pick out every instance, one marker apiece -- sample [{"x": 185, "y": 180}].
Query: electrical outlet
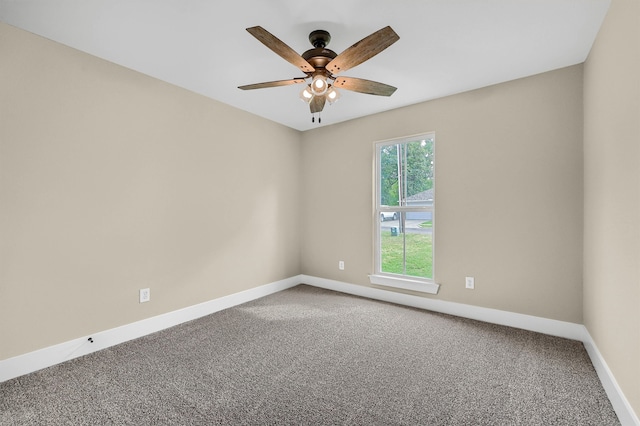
[
  {"x": 341, "y": 265},
  {"x": 469, "y": 283},
  {"x": 145, "y": 295}
]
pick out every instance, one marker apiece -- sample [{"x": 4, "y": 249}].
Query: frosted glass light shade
[
  {"x": 319, "y": 85},
  {"x": 306, "y": 94},
  {"x": 332, "y": 95}
]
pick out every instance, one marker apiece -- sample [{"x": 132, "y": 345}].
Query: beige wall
[
  {"x": 612, "y": 195},
  {"x": 508, "y": 185},
  {"x": 111, "y": 181}
]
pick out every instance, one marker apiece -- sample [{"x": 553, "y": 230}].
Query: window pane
[
  {"x": 418, "y": 171},
  {"x": 406, "y": 246},
  {"x": 389, "y": 175},
  {"x": 406, "y": 173},
  {"x": 419, "y": 248},
  {"x": 391, "y": 248}
]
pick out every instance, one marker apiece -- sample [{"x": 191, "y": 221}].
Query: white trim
[
  {"x": 36, "y": 360},
  {"x": 405, "y": 283},
  {"x": 404, "y": 139},
  {"x": 511, "y": 319},
  {"x": 52, "y": 355},
  {"x": 621, "y": 405},
  {"x": 378, "y": 208}
]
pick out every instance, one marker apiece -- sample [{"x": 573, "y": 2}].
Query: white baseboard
[
  {"x": 46, "y": 357},
  {"x": 527, "y": 322},
  {"x": 621, "y": 405},
  {"x": 567, "y": 330},
  {"x": 52, "y": 355}
]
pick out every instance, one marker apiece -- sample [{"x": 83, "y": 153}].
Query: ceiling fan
[{"x": 321, "y": 65}]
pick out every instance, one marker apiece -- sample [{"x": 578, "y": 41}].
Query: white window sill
[{"x": 405, "y": 283}]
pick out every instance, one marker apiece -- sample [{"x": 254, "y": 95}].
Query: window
[{"x": 405, "y": 213}]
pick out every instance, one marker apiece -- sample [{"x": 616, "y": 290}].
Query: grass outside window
[{"x": 419, "y": 254}]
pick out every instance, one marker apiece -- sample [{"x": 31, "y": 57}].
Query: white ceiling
[{"x": 445, "y": 46}]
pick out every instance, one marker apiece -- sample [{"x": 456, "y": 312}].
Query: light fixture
[
  {"x": 319, "y": 85},
  {"x": 332, "y": 95},
  {"x": 321, "y": 66},
  {"x": 306, "y": 94}
]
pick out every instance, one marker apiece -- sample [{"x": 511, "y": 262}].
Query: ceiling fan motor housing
[{"x": 319, "y": 57}]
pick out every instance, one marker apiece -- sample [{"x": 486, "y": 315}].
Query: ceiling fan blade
[
  {"x": 364, "y": 86},
  {"x": 272, "y": 84},
  {"x": 317, "y": 104},
  {"x": 280, "y": 48},
  {"x": 365, "y": 49}
]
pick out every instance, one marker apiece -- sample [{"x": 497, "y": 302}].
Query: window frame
[{"x": 403, "y": 281}]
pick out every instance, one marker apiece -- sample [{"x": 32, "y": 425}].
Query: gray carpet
[{"x": 312, "y": 356}]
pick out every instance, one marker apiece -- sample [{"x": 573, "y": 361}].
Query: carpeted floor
[{"x": 311, "y": 356}]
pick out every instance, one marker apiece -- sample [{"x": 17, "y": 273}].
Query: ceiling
[{"x": 445, "y": 46}]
